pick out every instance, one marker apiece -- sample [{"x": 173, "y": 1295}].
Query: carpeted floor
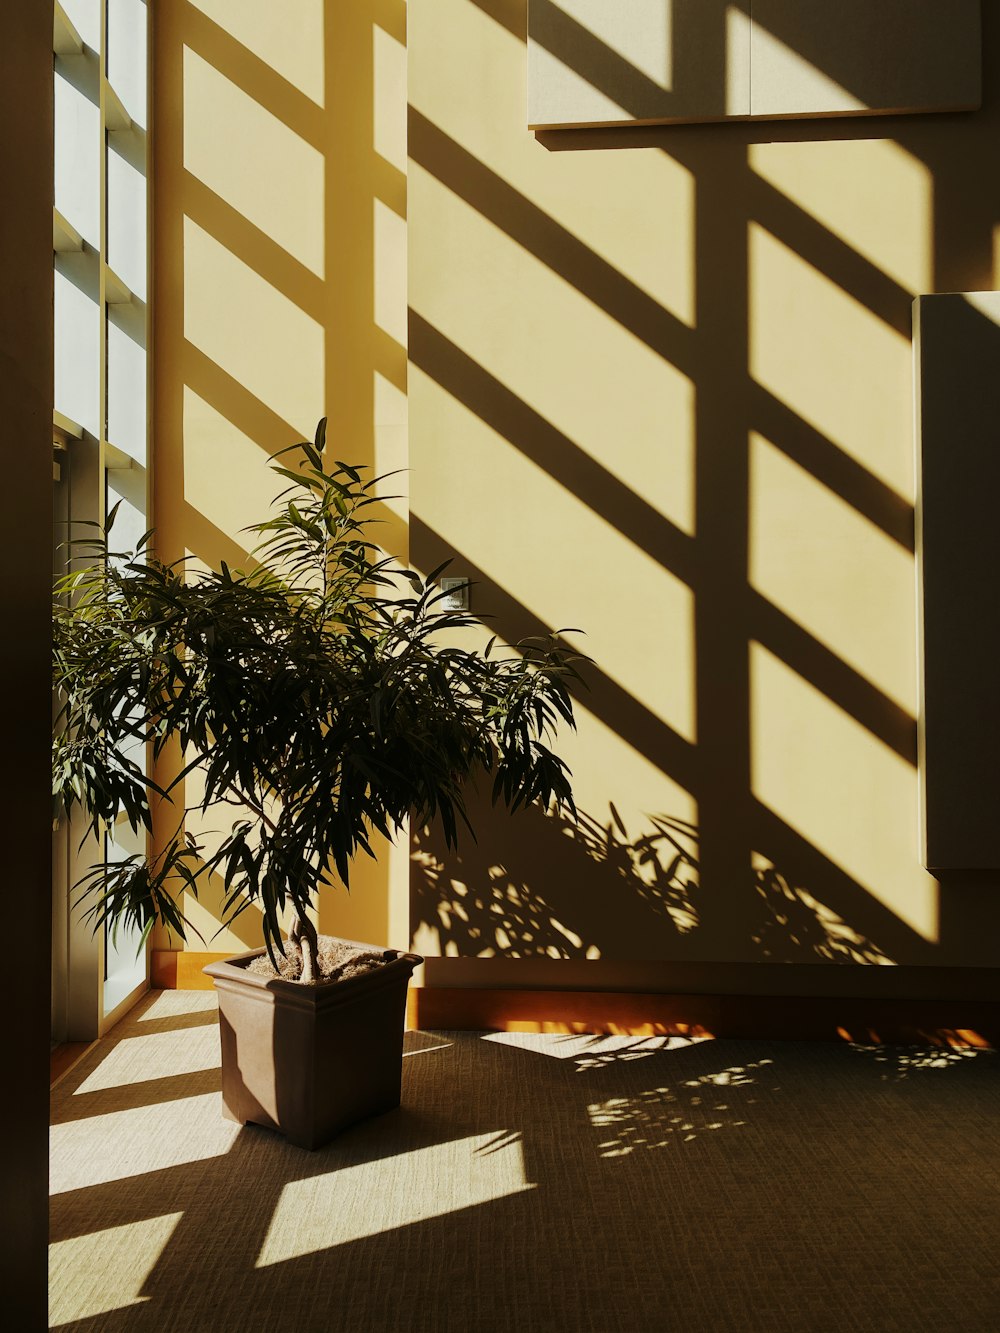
[{"x": 534, "y": 1183}]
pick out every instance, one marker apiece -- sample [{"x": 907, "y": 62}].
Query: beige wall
[
  {"x": 279, "y": 292},
  {"x": 661, "y": 389},
  {"x": 25, "y": 644}
]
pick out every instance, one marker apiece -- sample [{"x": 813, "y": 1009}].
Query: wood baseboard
[
  {"x": 181, "y": 969},
  {"x": 808, "y": 1018},
  {"x": 66, "y": 1056},
  {"x": 802, "y": 1018}
]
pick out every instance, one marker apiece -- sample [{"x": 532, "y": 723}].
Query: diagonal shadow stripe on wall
[
  {"x": 662, "y": 332},
  {"x": 583, "y": 476},
  {"x": 501, "y": 409},
  {"x": 531, "y": 227},
  {"x": 839, "y": 682},
  {"x": 805, "y": 864},
  {"x": 840, "y": 473},
  {"x": 648, "y": 734}
]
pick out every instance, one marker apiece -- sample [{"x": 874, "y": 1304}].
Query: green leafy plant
[{"x": 321, "y": 695}]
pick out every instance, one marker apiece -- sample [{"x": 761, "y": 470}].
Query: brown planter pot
[{"x": 310, "y": 1060}]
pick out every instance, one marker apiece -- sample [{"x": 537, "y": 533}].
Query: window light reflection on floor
[
  {"x": 901, "y": 1062},
  {"x": 342, "y": 1206},
  {"x": 590, "y": 1052},
  {"x": 171, "y": 1004},
  {"x": 106, "y": 1270},
  {"x": 153, "y": 1056},
  {"x": 131, "y": 1142},
  {"x": 663, "y": 1116}
]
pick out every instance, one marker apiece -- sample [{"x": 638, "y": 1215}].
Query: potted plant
[{"x": 322, "y": 694}]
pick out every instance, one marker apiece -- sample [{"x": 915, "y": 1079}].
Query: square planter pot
[{"x": 310, "y": 1060}]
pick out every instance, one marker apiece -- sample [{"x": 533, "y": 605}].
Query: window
[{"x": 100, "y": 240}]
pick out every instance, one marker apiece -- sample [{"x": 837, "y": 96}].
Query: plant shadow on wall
[{"x": 582, "y": 888}]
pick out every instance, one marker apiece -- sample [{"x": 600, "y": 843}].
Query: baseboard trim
[
  {"x": 940, "y": 1022},
  {"x": 806, "y": 1018},
  {"x": 65, "y": 1057},
  {"x": 181, "y": 969}
]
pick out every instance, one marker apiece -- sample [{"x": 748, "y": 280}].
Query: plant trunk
[{"x": 303, "y": 933}]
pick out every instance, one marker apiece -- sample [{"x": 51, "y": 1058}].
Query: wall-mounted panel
[
  {"x": 616, "y": 62},
  {"x": 619, "y": 62},
  {"x": 863, "y": 57},
  {"x": 957, "y": 351}
]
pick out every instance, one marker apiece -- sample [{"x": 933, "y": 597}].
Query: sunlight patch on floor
[
  {"x": 590, "y": 1052},
  {"x": 347, "y": 1205},
  {"x": 156, "y": 1055},
  {"x": 679, "y": 1114},
  {"x": 171, "y": 1003},
  {"x": 105, "y": 1270},
  {"x": 136, "y": 1140},
  {"x": 421, "y": 1043},
  {"x": 900, "y": 1062}
]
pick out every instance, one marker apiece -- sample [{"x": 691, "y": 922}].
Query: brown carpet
[{"x": 534, "y": 1183}]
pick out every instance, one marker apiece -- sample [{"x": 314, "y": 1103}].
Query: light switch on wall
[{"x": 456, "y": 592}]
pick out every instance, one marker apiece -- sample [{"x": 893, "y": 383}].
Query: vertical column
[
  {"x": 26, "y": 352},
  {"x": 957, "y": 351},
  {"x": 365, "y": 385},
  {"x": 722, "y": 626}
]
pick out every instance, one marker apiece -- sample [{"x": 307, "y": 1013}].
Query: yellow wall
[
  {"x": 661, "y": 389},
  {"x": 279, "y": 295}
]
